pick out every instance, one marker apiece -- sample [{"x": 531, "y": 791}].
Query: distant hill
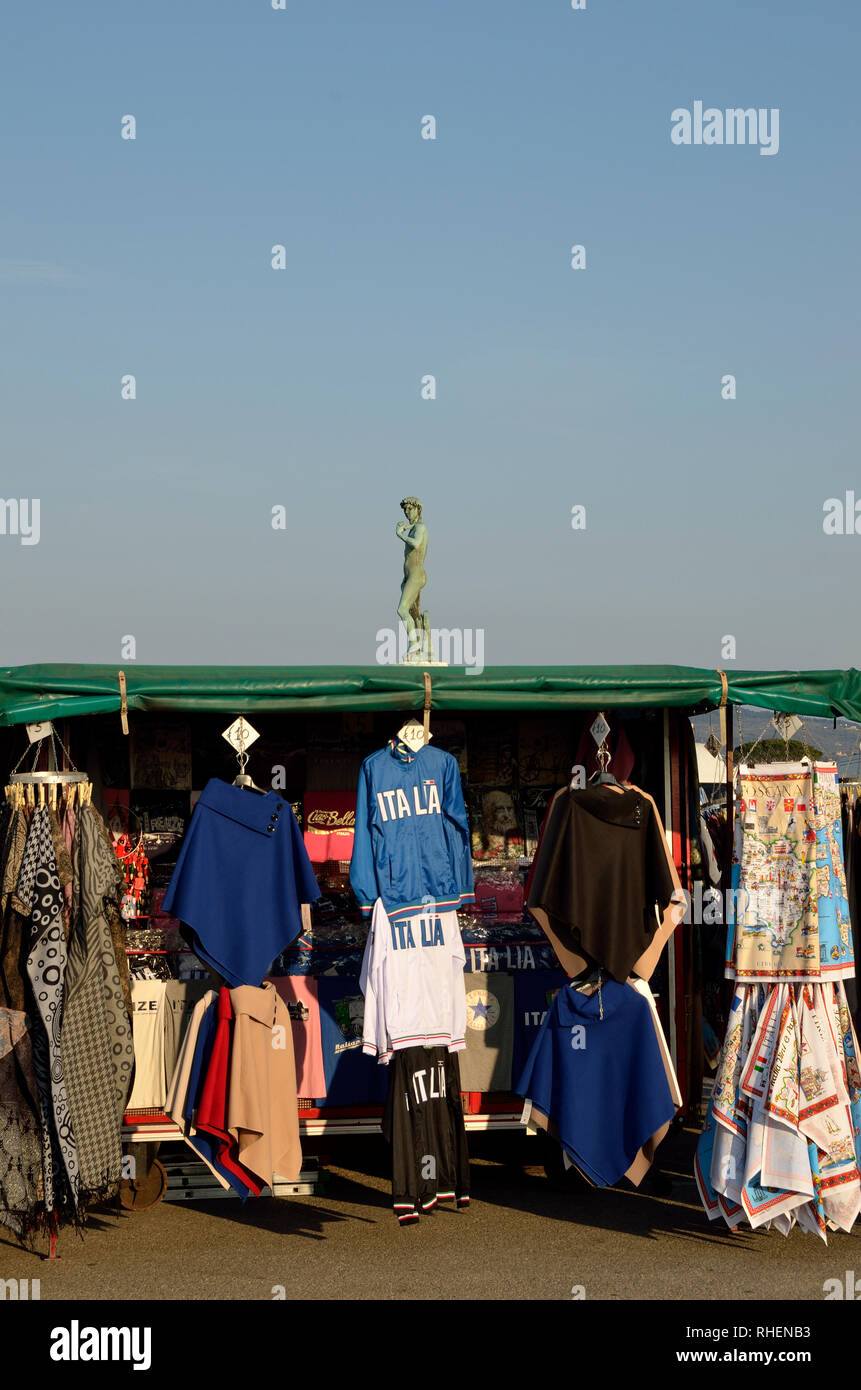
[{"x": 843, "y": 744}]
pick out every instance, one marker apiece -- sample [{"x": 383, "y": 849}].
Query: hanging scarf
[
  {"x": 21, "y": 1188},
  {"x": 776, "y": 931},
  {"x": 64, "y": 866},
  {"x": 97, "y": 1035},
  {"x": 14, "y": 991},
  {"x": 39, "y": 885},
  {"x": 20, "y": 1142},
  {"x": 836, "y": 956}
]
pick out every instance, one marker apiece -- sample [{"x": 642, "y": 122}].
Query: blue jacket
[{"x": 411, "y": 845}]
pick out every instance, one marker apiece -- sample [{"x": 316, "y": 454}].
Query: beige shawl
[{"x": 262, "y": 1110}]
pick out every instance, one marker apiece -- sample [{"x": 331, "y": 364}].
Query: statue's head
[{"x": 412, "y": 509}]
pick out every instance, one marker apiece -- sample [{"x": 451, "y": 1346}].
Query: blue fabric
[
  {"x": 533, "y": 990},
  {"x": 352, "y": 1078},
  {"x": 240, "y": 879},
  {"x": 703, "y": 1161},
  {"x": 411, "y": 846},
  {"x": 200, "y": 1060},
  {"x": 601, "y": 1081}
]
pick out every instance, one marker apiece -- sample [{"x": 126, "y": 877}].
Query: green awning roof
[{"x": 32, "y": 693}]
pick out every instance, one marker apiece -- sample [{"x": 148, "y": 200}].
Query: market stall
[{"x": 150, "y": 738}]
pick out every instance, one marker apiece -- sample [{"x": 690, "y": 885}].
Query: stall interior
[
  {"x": 511, "y": 765},
  {"x": 143, "y": 787}
]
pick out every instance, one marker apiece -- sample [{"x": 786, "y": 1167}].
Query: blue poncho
[{"x": 600, "y": 1081}]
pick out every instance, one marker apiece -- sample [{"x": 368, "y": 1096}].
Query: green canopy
[{"x": 32, "y": 693}]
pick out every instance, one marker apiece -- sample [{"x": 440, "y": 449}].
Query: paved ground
[{"x": 523, "y": 1237}]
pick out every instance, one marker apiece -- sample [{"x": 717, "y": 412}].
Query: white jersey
[{"x": 412, "y": 980}]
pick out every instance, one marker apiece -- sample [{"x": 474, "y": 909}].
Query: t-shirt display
[
  {"x": 300, "y": 996},
  {"x": 330, "y": 818},
  {"x": 352, "y": 1077},
  {"x": 148, "y": 1018},
  {"x": 490, "y": 1024},
  {"x": 533, "y": 995}
]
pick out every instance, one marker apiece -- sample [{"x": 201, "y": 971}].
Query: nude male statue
[{"x": 414, "y": 535}]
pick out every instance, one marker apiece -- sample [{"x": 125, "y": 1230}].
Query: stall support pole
[
  {"x": 730, "y": 774},
  {"x": 671, "y": 955}
]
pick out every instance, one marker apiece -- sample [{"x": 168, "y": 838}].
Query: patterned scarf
[
  {"x": 20, "y": 1142},
  {"x": 20, "y": 1145},
  {"x": 39, "y": 887},
  {"x": 14, "y": 990},
  {"x": 97, "y": 1036}
]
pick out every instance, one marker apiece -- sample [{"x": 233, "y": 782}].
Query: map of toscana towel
[
  {"x": 836, "y": 957},
  {"x": 775, "y": 935}
]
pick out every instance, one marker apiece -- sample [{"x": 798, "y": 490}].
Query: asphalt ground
[{"x": 525, "y": 1236}]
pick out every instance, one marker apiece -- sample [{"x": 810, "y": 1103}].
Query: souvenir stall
[
  {"x": 782, "y": 1142},
  {"x": 154, "y": 745}
]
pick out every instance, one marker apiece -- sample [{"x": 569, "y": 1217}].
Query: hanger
[
  {"x": 603, "y": 778},
  {"x": 590, "y": 982},
  {"x": 243, "y": 778},
  {"x": 43, "y": 788}
]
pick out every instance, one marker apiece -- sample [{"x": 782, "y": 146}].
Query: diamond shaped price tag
[
  {"x": 786, "y": 724},
  {"x": 241, "y": 734},
  {"x": 712, "y": 745},
  {"x": 600, "y": 729},
  {"x": 35, "y": 732}
]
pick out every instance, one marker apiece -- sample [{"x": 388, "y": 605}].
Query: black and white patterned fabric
[
  {"x": 21, "y": 1187},
  {"x": 39, "y": 886},
  {"x": 98, "y": 1048}
]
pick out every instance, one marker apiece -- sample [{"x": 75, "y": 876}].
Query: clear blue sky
[{"x": 405, "y": 257}]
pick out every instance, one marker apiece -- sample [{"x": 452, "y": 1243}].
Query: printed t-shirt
[
  {"x": 533, "y": 995},
  {"x": 148, "y": 1008},
  {"x": 299, "y": 993},
  {"x": 486, "y": 1063},
  {"x": 352, "y": 1078}
]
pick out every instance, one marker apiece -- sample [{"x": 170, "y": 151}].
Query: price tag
[
  {"x": 37, "y": 731},
  {"x": 713, "y": 745},
  {"x": 240, "y": 735},
  {"x": 600, "y": 729},
  {"x": 786, "y": 724}
]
